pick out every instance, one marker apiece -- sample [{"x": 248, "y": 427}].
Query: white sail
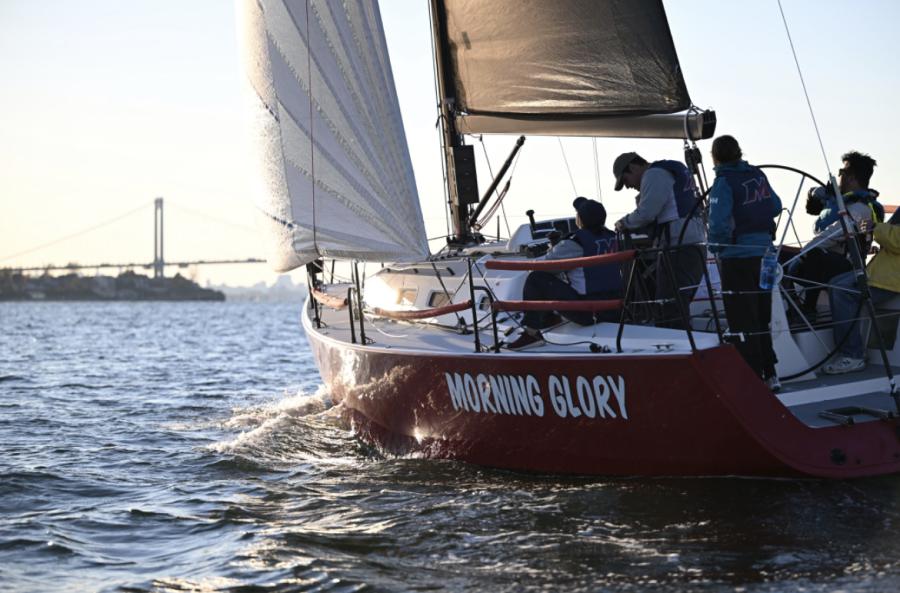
[{"x": 336, "y": 167}]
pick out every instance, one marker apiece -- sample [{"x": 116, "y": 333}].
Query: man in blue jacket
[
  {"x": 595, "y": 283},
  {"x": 742, "y": 209}
]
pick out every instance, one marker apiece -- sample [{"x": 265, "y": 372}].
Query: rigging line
[
  {"x": 76, "y": 234},
  {"x": 803, "y": 84},
  {"x": 503, "y": 206},
  {"x": 486, "y": 158},
  {"x": 493, "y": 209},
  {"x": 500, "y": 196},
  {"x": 446, "y": 292},
  {"x": 597, "y": 171},
  {"x": 499, "y": 202},
  {"x": 566, "y": 161}
]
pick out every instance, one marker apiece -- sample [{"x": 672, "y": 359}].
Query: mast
[{"x": 462, "y": 184}]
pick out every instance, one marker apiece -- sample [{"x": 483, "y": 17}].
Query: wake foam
[
  {"x": 300, "y": 404},
  {"x": 298, "y": 428}
]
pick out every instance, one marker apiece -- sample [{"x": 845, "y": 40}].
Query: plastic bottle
[{"x": 768, "y": 270}]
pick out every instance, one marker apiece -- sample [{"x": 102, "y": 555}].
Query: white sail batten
[{"x": 338, "y": 178}]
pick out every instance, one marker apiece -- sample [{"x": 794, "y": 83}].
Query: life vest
[
  {"x": 751, "y": 199},
  {"x": 686, "y": 195},
  {"x": 869, "y": 197},
  {"x": 604, "y": 278}
]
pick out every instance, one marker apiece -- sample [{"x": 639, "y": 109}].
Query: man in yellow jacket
[{"x": 884, "y": 284}]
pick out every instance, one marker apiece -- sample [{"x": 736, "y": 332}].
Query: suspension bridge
[{"x": 158, "y": 264}]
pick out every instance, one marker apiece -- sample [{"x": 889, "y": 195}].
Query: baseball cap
[
  {"x": 621, "y": 163},
  {"x": 591, "y": 212}
]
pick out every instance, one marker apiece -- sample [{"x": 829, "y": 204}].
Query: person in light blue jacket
[{"x": 742, "y": 209}]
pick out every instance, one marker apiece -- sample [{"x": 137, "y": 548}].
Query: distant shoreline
[{"x": 127, "y": 286}]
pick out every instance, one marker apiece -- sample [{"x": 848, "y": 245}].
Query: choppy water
[{"x": 189, "y": 447}]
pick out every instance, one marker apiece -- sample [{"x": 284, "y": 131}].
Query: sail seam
[{"x": 312, "y": 125}]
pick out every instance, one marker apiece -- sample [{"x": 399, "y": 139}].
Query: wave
[
  {"x": 300, "y": 404},
  {"x": 278, "y": 435}
]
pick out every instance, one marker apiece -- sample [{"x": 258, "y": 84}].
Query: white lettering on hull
[{"x": 602, "y": 396}]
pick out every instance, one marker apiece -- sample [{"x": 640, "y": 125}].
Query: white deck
[{"x": 567, "y": 338}]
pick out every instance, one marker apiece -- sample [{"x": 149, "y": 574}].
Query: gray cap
[{"x": 621, "y": 163}]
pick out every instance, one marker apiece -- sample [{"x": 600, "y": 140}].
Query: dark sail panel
[{"x": 562, "y": 59}]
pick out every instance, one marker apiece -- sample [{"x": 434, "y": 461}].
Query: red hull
[{"x": 687, "y": 415}]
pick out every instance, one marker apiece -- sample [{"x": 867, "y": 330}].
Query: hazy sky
[{"x": 107, "y": 104}]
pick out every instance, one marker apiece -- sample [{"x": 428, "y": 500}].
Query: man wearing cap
[
  {"x": 594, "y": 283},
  {"x": 668, "y": 205}
]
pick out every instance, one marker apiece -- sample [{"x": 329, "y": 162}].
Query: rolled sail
[
  {"x": 338, "y": 181},
  {"x": 563, "y": 67}
]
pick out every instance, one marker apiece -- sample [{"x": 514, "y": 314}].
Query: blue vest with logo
[
  {"x": 606, "y": 278},
  {"x": 751, "y": 196},
  {"x": 684, "y": 188}
]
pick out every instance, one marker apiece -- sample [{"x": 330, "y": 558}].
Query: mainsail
[
  {"x": 338, "y": 177},
  {"x": 562, "y": 67}
]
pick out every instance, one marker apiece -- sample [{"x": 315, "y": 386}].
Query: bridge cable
[
  {"x": 76, "y": 234},
  {"x": 209, "y": 218}
]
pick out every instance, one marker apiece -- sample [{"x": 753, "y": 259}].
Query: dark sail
[{"x": 521, "y": 65}]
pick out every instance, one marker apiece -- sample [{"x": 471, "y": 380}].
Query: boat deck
[
  {"x": 567, "y": 338},
  {"x": 868, "y": 389}
]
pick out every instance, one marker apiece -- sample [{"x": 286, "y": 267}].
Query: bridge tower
[{"x": 159, "y": 267}]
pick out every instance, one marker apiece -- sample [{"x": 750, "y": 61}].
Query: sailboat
[{"x": 415, "y": 352}]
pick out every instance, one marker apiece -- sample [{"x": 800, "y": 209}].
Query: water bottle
[{"x": 768, "y": 270}]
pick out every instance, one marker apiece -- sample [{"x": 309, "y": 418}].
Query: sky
[{"x": 107, "y": 105}]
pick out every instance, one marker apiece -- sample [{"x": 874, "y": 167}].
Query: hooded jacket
[{"x": 723, "y": 205}]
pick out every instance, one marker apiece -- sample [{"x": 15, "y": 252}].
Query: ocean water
[{"x": 191, "y": 447}]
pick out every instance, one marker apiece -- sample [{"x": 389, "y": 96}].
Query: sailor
[
  {"x": 845, "y": 298},
  {"x": 669, "y": 204},
  {"x": 742, "y": 212},
  {"x": 827, "y": 255},
  {"x": 592, "y": 283}
]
